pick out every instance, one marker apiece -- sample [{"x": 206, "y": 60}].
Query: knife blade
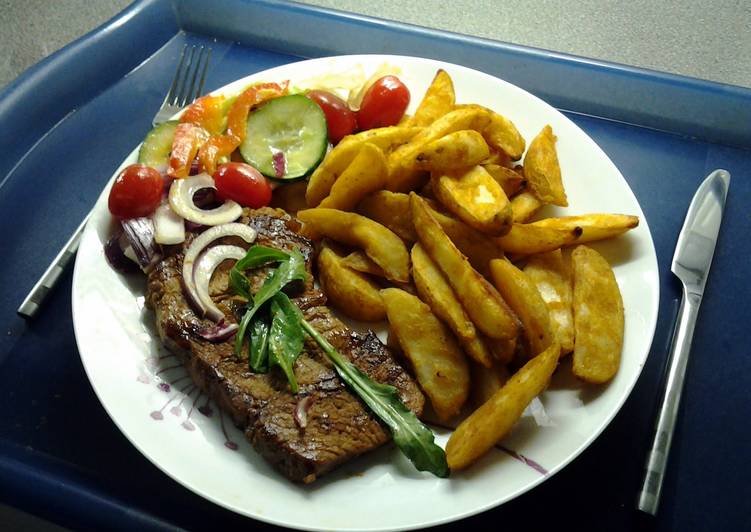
[{"x": 691, "y": 262}]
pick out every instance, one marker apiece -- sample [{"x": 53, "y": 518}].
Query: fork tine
[
  {"x": 182, "y": 97},
  {"x": 203, "y": 73},
  {"x": 190, "y": 95},
  {"x": 173, "y": 88}
]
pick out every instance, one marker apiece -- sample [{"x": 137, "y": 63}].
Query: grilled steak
[{"x": 338, "y": 425}]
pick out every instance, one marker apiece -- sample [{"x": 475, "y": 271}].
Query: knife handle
[{"x": 649, "y": 496}]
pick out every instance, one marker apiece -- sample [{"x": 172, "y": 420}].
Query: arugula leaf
[
  {"x": 414, "y": 439},
  {"x": 291, "y": 269},
  {"x": 286, "y": 336},
  {"x": 256, "y": 256},
  {"x": 258, "y": 357}
]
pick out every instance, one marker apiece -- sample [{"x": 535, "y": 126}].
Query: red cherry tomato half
[
  {"x": 340, "y": 119},
  {"x": 137, "y": 192},
  {"x": 384, "y": 103},
  {"x": 242, "y": 183}
]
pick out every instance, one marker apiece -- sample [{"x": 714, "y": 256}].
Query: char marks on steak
[{"x": 339, "y": 426}]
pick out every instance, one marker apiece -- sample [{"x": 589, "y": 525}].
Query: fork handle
[
  {"x": 33, "y": 301},
  {"x": 649, "y": 497}
]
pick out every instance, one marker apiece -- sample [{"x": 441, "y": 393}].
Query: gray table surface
[{"x": 706, "y": 40}]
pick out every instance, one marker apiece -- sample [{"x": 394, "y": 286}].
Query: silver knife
[{"x": 691, "y": 262}]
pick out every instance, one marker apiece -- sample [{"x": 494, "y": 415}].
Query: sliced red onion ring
[
  {"x": 114, "y": 250},
  {"x": 169, "y": 227},
  {"x": 203, "y": 271},
  {"x": 301, "y": 411},
  {"x": 140, "y": 235},
  {"x": 199, "y": 244},
  {"x": 181, "y": 200},
  {"x": 219, "y": 332}
]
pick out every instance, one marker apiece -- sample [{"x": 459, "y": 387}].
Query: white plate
[{"x": 382, "y": 491}]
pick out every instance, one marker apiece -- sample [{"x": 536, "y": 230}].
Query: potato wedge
[
  {"x": 438, "y": 294},
  {"x": 551, "y": 276},
  {"x": 542, "y": 170},
  {"x": 403, "y": 176},
  {"x": 525, "y": 300},
  {"x": 486, "y": 381},
  {"x": 349, "y": 291},
  {"x": 477, "y": 434},
  {"x": 475, "y": 198},
  {"x": 366, "y": 174},
  {"x": 392, "y": 210},
  {"x": 332, "y": 166},
  {"x": 594, "y": 226},
  {"x": 439, "y": 99},
  {"x": 290, "y": 197},
  {"x": 503, "y": 350},
  {"x": 480, "y": 300},
  {"x": 480, "y": 249},
  {"x": 524, "y": 206},
  {"x": 459, "y": 149},
  {"x": 498, "y": 157},
  {"x": 511, "y": 181},
  {"x": 360, "y": 262},
  {"x": 598, "y": 317},
  {"x": 527, "y": 239},
  {"x": 380, "y": 244},
  {"x": 500, "y": 132},
  {"x": 438, "y": 362}
]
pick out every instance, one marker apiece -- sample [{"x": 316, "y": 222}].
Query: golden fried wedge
[
  {"x": 475, "y": 198},
  {"x": 527, "y": 239},
  {"x": 365, "y": 174},
  {"x": 542, "y": 170},
  {"x": 403, "y": 176},
  {"x": 486, "y": 381},
  {"x": 392, "y": 210},
  {"x": 594, "y": 226},
  {"x": 550, "y": 274},
  {"x": 479, "y": 248},
  {"x": 511, "y": 181},
  {"x": 438, "y": 294},
  {"x": 598, "y": 317},
  {"x": 438, "y": 362},
  {"x": 332, "y": 166},
  {"x": 380, "y": 244},
  {"x": 349, "y": 291},
  {"x": 360, "y": 262},
  {"x": 439, "y": 99},
  {"x": 459, "y": 149},
  {"x": 523, "y": 206},
  {"x": 480, "y": 300},
  {"x": 525, "y": 300},
  {"x": 500, "y": 132},
  {"x": 477, "y": 434}
]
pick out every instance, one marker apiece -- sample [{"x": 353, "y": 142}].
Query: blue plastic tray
[{"x": 70, "y": 120}]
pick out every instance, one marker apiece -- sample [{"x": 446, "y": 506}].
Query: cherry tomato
[
  {"x": 137, "y": 192},
  {"x": 242, "y": 183},
  {"x": 384, "y": 103},
  {"x": 340, "y": 119}
]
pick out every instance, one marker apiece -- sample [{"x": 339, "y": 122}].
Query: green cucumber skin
[
  {"x": 157, "y": 145},
  {"x": 304, "y": 114}
]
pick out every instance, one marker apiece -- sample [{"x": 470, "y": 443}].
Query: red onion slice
[
  {"x": 199, "y": 244},
  {"x": 114, "y": 250},
  {"x": 181, "y": 200},
  {"x": 140, "y": 235},
  {"x": 203, "y": 271},
  {"x": 169, "y": 227},
  {"x": 219, "y": 332}
]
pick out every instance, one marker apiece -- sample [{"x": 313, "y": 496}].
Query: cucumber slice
[
  {"x": 292, "y": 125},
  {"x": 157, "y": 145}
]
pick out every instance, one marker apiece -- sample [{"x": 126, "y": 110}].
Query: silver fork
[{"x": 187, "y": 85}]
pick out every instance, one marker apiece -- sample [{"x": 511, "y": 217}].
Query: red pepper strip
[
  {"x": 219, "y": 146},
  {"x": 188, "y": 139},
  {"x": 207, "y": 112}
]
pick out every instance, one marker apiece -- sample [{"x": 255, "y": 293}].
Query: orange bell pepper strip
[
  {"x": 188, "y": 139},
  {"x": 207, "y": 112},
  {"x": 219, "y": 146}
]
